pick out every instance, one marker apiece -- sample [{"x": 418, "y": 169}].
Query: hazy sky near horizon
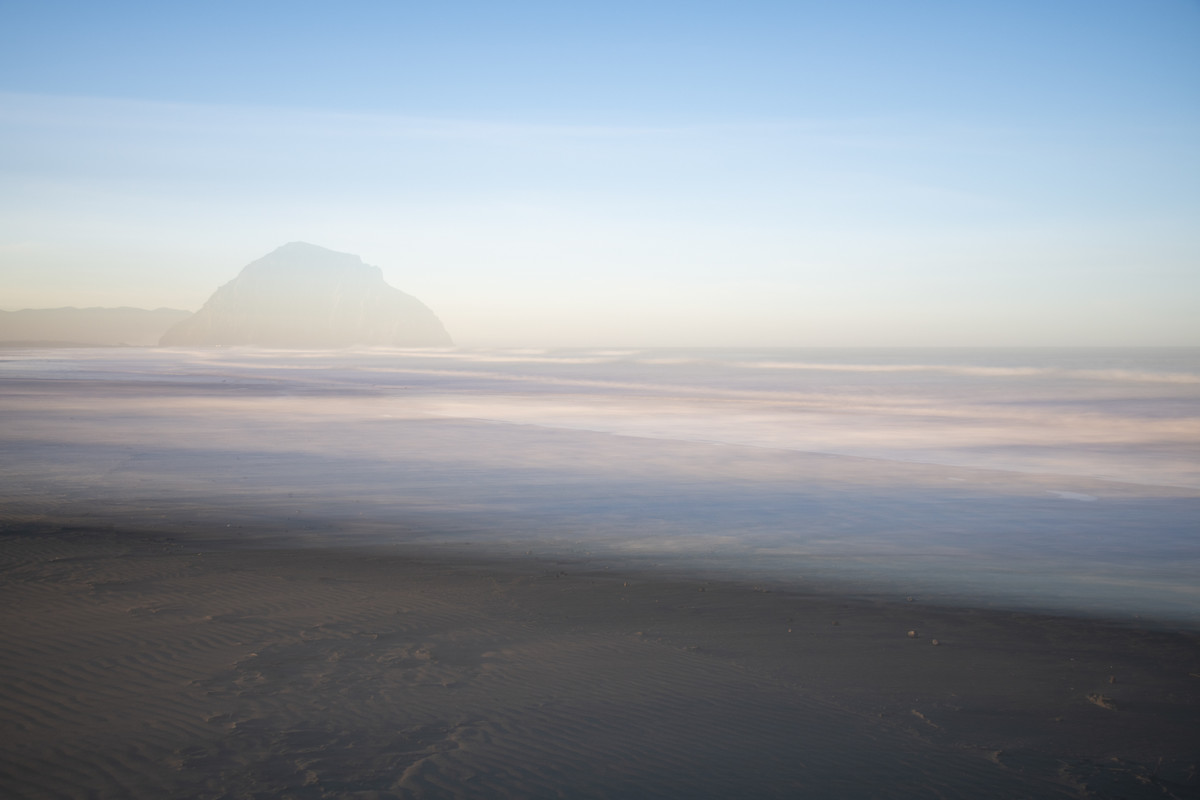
[{"x": 702, "y": 173}]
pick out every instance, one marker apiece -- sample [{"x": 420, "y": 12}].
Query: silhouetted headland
[{"x": 306, "y": 296}]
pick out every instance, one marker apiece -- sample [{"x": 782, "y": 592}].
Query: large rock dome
[{"x": 305, "y": 296}]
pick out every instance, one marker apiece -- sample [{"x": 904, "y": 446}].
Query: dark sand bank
[{"x": 137, "y": 665}]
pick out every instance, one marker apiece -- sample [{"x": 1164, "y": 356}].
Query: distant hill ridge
[
  {"x": 305, "y": 296},
  {"x": 91, "y": 327}
]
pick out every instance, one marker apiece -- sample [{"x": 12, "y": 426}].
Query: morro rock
[{"x": 304, "y": 296}]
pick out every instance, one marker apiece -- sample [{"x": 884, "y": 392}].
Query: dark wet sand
[{"x": 137, "y": 665}]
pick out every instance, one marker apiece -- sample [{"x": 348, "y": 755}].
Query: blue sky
[{"x": 620, "y": 173}]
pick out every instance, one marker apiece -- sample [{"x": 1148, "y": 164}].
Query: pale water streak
[{"x": 1119, "y": 415}]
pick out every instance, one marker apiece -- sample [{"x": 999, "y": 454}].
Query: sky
[{"x": 618, "y": 173}]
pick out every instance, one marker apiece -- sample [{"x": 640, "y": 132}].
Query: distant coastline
[{"x": 123, "y": 326}]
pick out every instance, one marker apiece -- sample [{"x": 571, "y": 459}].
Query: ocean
[{"x": 1065, "y": 480}]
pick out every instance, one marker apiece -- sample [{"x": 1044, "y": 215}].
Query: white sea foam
[{"x": 1085, "y": 498}]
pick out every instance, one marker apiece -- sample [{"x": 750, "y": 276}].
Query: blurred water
[
  {"x": 1129, "y": 415},
  {"x": 1065, "y": 479}
]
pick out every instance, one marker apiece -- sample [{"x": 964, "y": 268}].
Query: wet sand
[{"x": 142, "y": 665}]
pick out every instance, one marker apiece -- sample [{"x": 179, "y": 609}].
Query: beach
[
  {"x": 223, "y": 583},
  {"x": 139, "y": 666}
]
